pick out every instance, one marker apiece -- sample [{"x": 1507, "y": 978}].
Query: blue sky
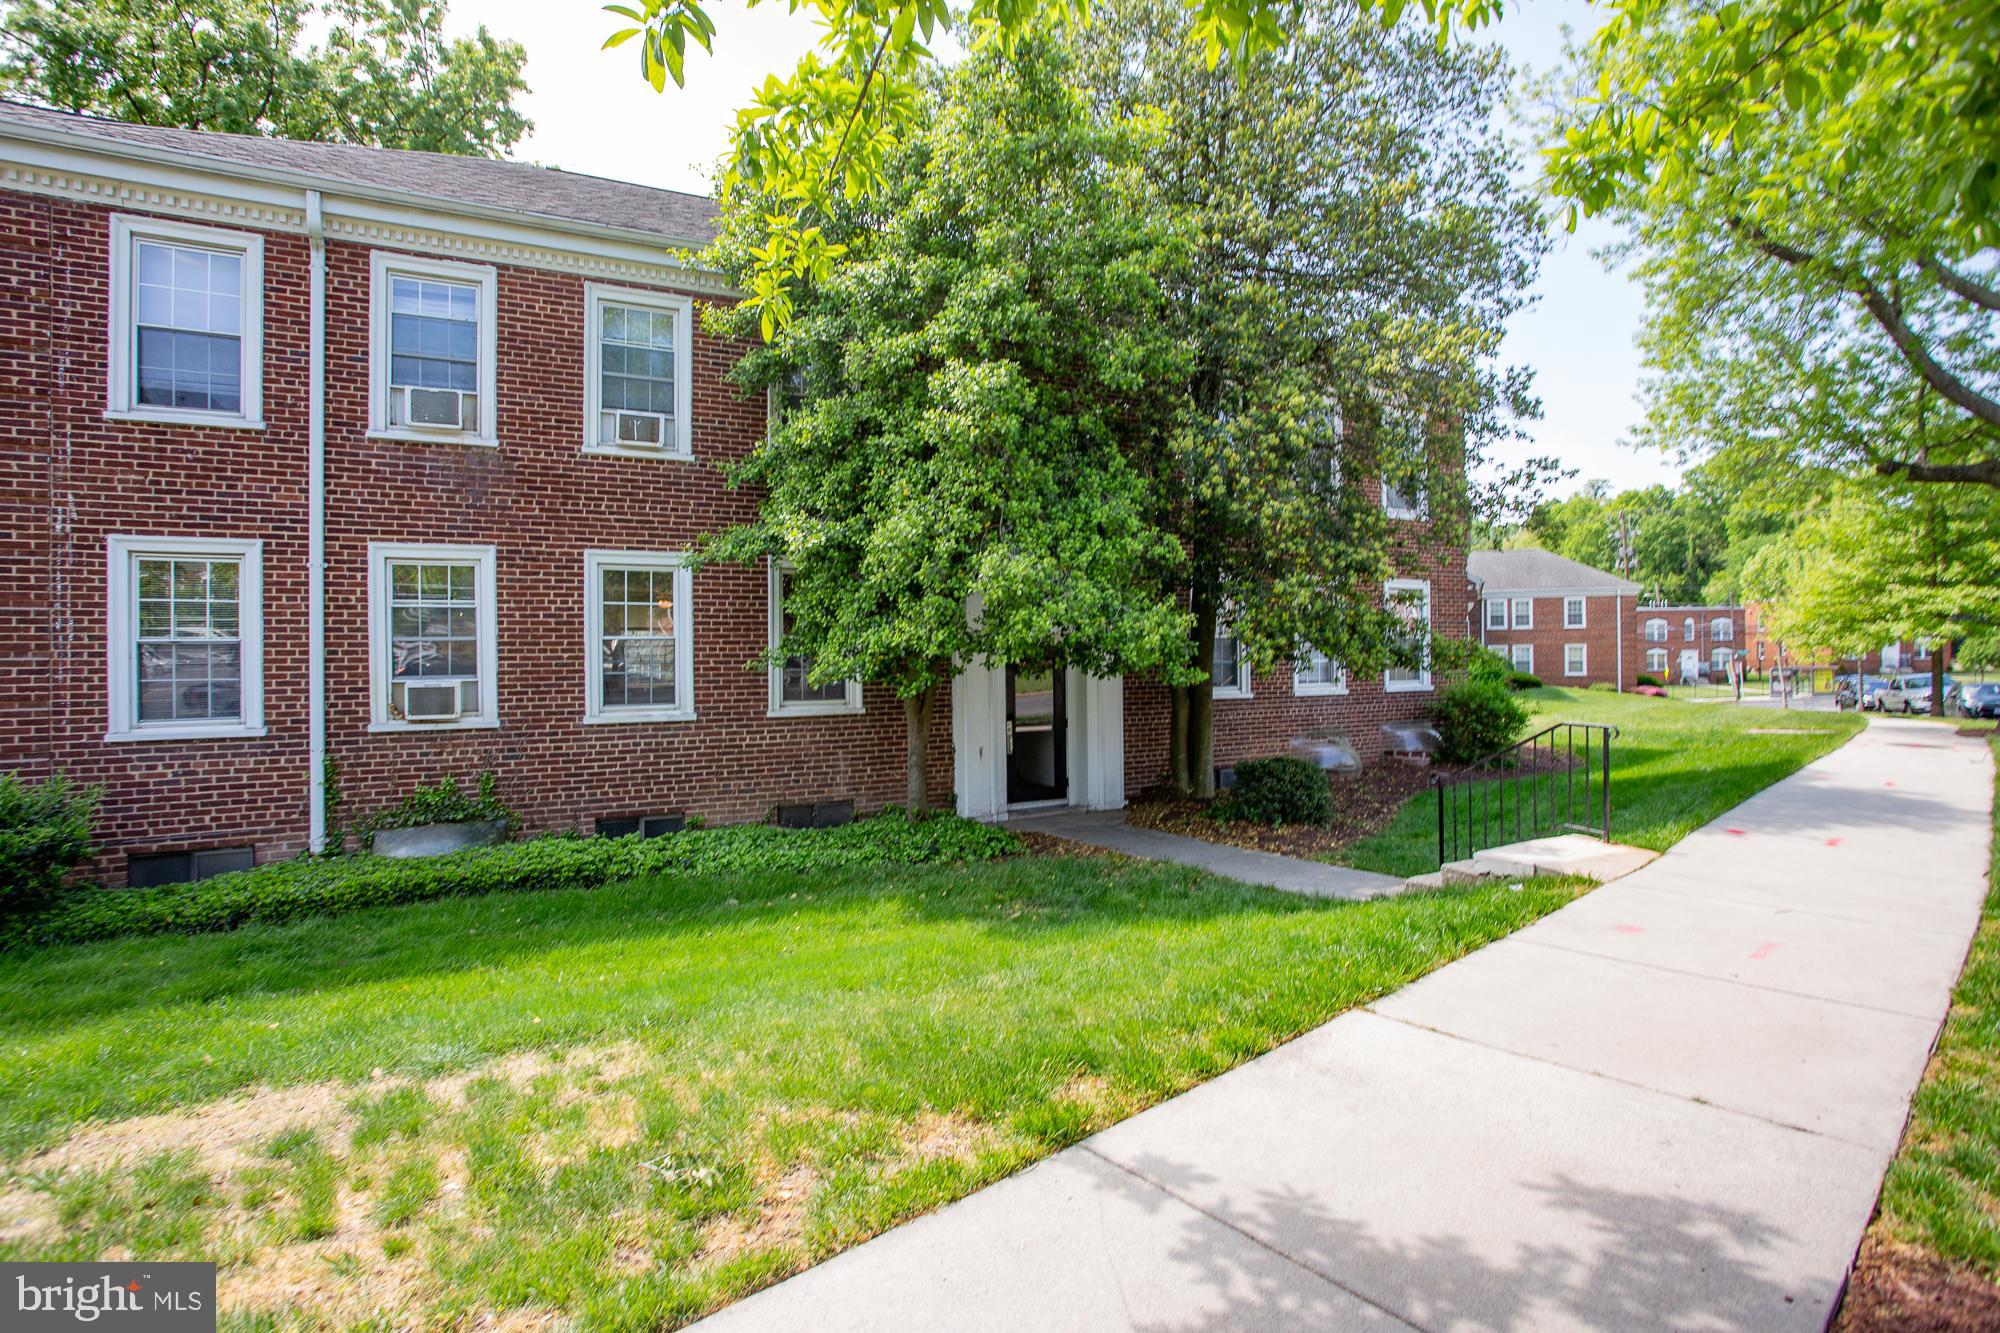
[{"x": 592, "y": 114}]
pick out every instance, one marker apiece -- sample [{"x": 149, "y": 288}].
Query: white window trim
[
  {"x": 1416, "y": 507},
  {"x": 1519, "y": 605},
  {"x": 1305, "y": 688},
  {"x": 122, "y": 612},
  {"x": 384, "y": 264},
  {"x": 1240, "y": 690},
  {"x": 1582, "y": 667},
  {"x": 1723, "y": 630},
  {"x": 1514, "y": 657},
  {"x": 594, "y": 711},
  {"x": 1423, "y": 680},
  {"x": 122, "y": 380},
  {"x": 1496, "y": 604},
  {"x": 1662, "y": 668},
  {"x": 1662, "y": 636},
  {"x": 595, "y": 297},
  {"x": 778, "y": 705},
  {"x": 1582, "y": 605},
  {"x": 380, "y": 554}
]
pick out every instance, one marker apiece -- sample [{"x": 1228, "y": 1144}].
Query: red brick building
[
  {"x": 323, "y": 461},
  {"x": 1764, "y": 651},
  {"x": 1571, "y": 624}
]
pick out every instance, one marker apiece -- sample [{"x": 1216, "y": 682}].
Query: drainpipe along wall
[{"x": 316, "y": 524}]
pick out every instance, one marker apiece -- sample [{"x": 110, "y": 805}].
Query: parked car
[
  {"x": 1912, "y": 694},
  {"x": 1871, "y": 691},
  {"x": 1980, "y": 700}
]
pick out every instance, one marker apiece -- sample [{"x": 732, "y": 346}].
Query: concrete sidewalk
[
  {"x": 1668, "y": 1105},
  {"x": 1315, "y": 879}
]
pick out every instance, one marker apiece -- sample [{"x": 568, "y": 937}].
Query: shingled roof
[
  {"x": 544, "y": 192},
  {"x": 1530, "y": 571}
]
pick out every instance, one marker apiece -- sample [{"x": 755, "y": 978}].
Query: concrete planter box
[{"x": 437, "y": 839}]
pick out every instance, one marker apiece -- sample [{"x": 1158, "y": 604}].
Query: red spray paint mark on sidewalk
[
  {"x": 1737, "y": 831},
  {"x": 1763, "y": 951},
  {"x": 1833, "y": 842},
  {"x": 1629, "y": 930}
]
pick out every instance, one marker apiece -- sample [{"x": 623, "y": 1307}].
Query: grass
[
  {"x": 1674, "y": 767},
  {"x": 628, "y": 1106},
  {"x": 1942, "y": 1193}
]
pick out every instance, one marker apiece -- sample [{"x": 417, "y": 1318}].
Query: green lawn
[
  {"x": 1943, "y": 1190},
  {"x": 1674, "y": 767},
  {"x": 630, "y": 1105}
]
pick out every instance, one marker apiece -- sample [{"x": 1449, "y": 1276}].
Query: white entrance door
[
  {"x": 1690, "y": 666},
  {"x": 1093, "y": 740}
]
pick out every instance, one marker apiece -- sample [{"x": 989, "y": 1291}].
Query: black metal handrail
[{"x": 1541, "y": 774}]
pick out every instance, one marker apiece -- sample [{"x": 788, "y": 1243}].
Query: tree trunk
[
  {"x": 1937, "y": 680},
  {"x": 1201, "y": 698},
  {"x": 917, "y": 750},
  {"x": 1177, "y": 747}
]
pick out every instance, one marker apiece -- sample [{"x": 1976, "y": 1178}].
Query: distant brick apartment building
[
  {"x": 1571, "y": 624},
  {"x": 323, "y": 460},
  {"x": 1765, "y": 652}
]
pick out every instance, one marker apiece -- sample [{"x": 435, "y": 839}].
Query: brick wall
[
  {"x": 1600, "y": 636},
  {"x": 1705, "y": 641}
]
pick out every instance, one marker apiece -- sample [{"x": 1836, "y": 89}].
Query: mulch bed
[
  {"x": 1902, "y": 1289},
  {"x": 1363, "y": 803},
  {"x": 1047, "y": 844}
]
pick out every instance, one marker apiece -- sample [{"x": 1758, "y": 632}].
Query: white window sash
[
  {"x": 381, "y": 555},
  {"x": 123, "y": 554},
  {"x": 779, "y": 706},
  {"x": 1581, "y": 608},
  {"x": 1576, "y": 659},
  {"x": 1241, "y": 689},
  {"x": 122, "y": 360},
  {"x": 385, "y": 265},
  {"x": 1307, "y": 686},
  {"x": 1522, "y": 657},
  {"x": 1422, "y": 679},
  {"x": 1496, "y": 613},
  {"x": 1524, "y": 613},
  {"x": 594, "y": 564},
  {"x": 679, "y": 443}
]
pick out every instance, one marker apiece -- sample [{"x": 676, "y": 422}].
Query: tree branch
[
  {"x": 1985, "y": 472},
  {"x": 1948, "y": 386},
  {"x": 1976, "y": 292}
]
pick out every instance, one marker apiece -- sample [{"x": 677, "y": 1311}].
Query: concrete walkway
[
  {"x": 1668, "y": 1105},
  {"x": 1109, "y": 830}
]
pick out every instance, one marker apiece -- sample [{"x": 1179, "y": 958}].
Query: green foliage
[
  {"x": 1646, "y": 678},
  {"x": 1602, "y": 685},
  {"x": 288, "y": 890},
  {"x": 1282, "y": 790},
  {"x": 45, "y": 832},
  {"x": 1523, "y": 680},
  {"x": 1475, "y": 718},
  {"x": 442, "y": 804},
  {"x": 386, "y": 74}
]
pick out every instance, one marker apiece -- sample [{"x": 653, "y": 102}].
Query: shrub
[
  {"x": 288, "y": 890},
  {"x": 1523, "y": 680},
  {"x": 1601, "y": 685},
  {"x": 44, "y": 834},
  {"x": 1277, "y": 791},
  {"x": 442, "y": 804},
  {"x": 1647, "y": 678},
  {"x": 1474, "y": 718}
]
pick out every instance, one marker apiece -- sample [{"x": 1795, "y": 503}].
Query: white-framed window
[
  {"x": 1522, "y": 655},
  {"x": 1524, "y": 613},
  {"x": 1718, "y": 661},
  {"x": 793, "y": 693},
  {"x": 185, "y": 622},
  {"x": 1228, "y": 673},
  {"x": 1319, "y": 674},
  {"x": 433, "y": 641},
  {"x": 1416, "y": 611},
  {"x": 1496, "y": 613},
  {"x": 186, "y": 324},
  {"x": 784, "y": 398},
  {"x": 1403, "y": 500},
  {"x": 1656, "y": 660},
  {"x": 1722, "y": 629},
  {"x": 1573, "y": 612},
  {"x": 1656, "y": 630},
  {"x": 432, "y": 350},
  {"x": 1687, "y": 630},
  {"x": 1576, "y": 659},
  {"x": 638, "y": 366},
  {"x": 638, "y": 636}
]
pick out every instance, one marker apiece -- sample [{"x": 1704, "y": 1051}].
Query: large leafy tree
[
  {"x": 1884, "y": 562},
  {"x": 385, "y": 75},
  {"x": 1358, "y": 247},
  {"x": 976, "y": 397},
  {"x": 1821, "y": 288}
]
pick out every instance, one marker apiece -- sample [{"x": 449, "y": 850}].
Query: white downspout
[{"x": 316, "y": 522}]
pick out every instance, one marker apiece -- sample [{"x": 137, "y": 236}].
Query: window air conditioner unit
[
  {"x": 436, "y": 409},
  {"x": 431, "y": 703},
  {"x": 638, "y": 427}
]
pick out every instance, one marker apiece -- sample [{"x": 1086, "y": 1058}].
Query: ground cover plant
[{"x": 626, "y": 1106}]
